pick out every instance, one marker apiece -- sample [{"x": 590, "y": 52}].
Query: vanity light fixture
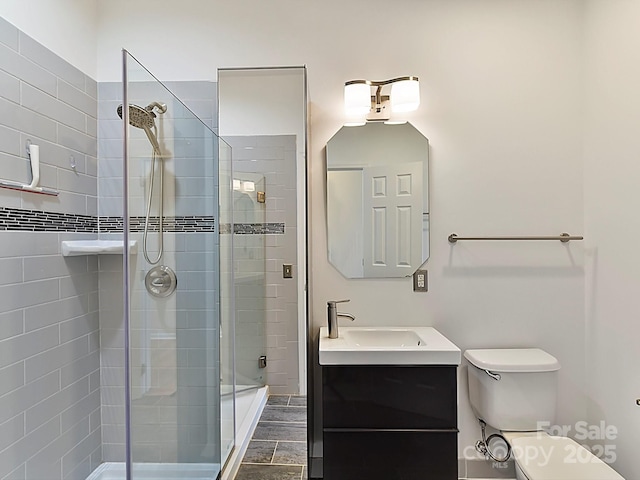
[{"x": 359, "y": 101}]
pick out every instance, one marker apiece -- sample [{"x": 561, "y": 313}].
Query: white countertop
[{"x": 387, "y": 346}]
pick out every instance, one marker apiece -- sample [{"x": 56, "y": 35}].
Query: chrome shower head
[
  {"x": 144, "y": 118},
  {"x": 139, "y": 117}
]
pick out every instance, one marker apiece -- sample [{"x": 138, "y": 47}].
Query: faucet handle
[{"x": 334, "y": 302}]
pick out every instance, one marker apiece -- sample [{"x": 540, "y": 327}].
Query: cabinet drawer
[
  {"x": 389, "y": 455},
  {"x": 389, "y": 397}
]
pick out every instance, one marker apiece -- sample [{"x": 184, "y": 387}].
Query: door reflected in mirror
[{"x": 378, "y": 200}]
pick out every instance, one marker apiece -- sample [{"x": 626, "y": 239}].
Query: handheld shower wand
[{"x": 143, "y": 118}]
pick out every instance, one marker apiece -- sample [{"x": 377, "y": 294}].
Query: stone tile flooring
[{"x": 278, "y": 448}]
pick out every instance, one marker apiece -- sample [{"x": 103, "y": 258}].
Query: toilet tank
[{"x": 513, "y": 389}]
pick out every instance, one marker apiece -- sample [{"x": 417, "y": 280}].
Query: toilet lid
[
  {"x": 513, "y": 360},
  {"x": 559, "y": 458}
]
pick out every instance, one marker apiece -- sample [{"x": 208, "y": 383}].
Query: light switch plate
[
  {"x": 420, "y": 281},
  {"x": 287, "y": 270}
]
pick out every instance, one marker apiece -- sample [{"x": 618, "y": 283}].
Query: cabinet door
[
  {"x": 393, "y": 397},
  {"x": 390, "y": 455}
]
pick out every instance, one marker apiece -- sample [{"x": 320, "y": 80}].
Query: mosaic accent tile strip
[
  {"x": 170, "y": 224},
  {"x": 38, "y": 221},
  {"x": 253, "y": 228},
  {"x": 17, "y": 219}
]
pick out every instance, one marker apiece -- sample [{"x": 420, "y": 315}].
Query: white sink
[
  {"x": 387, "y": 346},
  {"x": 381, "y": 337}
]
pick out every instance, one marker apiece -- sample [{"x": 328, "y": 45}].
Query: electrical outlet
[{"x": 420, "y": 283}]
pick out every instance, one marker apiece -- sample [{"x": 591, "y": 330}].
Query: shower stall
[
  {"x": 117, "y": 333},
  {"x": 170, "y": 406},
  {"x": 160, "y": 302},
  {"x": 121, "y": 352}
]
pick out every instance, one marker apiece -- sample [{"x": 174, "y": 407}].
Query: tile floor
[{"x": 278, "y": 448}]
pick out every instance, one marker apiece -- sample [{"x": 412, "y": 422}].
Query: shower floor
[
  {"x": 249, "y": 404},
  {"x": 157, "y": 471}
]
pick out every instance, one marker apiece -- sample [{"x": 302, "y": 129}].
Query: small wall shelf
[
  {"x": 73, "y": 248},
  {"x": 26, "y": 188},
  {"x": 33, "y": 152}
]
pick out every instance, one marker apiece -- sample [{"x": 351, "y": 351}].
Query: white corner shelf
[{"x": 73, "y": 248}]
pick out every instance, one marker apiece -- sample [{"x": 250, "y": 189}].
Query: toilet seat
[{"x": 543, "y": 457}]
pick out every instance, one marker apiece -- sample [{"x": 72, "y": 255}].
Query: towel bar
[{"x": 563, "y": 237}]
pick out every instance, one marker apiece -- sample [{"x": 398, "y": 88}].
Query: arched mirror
[{"x": 378, "y": 200}]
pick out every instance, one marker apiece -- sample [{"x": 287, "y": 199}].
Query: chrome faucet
[{"x": 333, "y": 314}]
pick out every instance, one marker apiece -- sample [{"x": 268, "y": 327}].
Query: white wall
[
  {"x": 612, "y": 196},
  {"x": 266, "y": 101},
  {"x": 501, "y": 106},
  {"x": 67, "y": 27}
]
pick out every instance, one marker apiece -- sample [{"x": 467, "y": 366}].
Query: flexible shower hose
[{"x": 160, "y": 210}]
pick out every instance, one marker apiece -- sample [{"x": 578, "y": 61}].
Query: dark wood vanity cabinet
[{"x": 389, "y": 422}]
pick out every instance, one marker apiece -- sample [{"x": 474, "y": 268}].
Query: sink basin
[
  {"x": 381, "y": 337},
  {"x": 387, "y": 346}
]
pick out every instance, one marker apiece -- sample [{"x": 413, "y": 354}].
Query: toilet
[{"x": 514, "y": 391}]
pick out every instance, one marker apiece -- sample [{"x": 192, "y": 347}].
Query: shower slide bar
[{"x": 563, "y": 237}]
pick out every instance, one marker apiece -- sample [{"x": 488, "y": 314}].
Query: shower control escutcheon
[{"x": 161, "y": 281}]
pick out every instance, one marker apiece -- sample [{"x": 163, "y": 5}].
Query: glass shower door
[
  {"x": 249, "y": 208},
  {"x": 172, "y": 365}
]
